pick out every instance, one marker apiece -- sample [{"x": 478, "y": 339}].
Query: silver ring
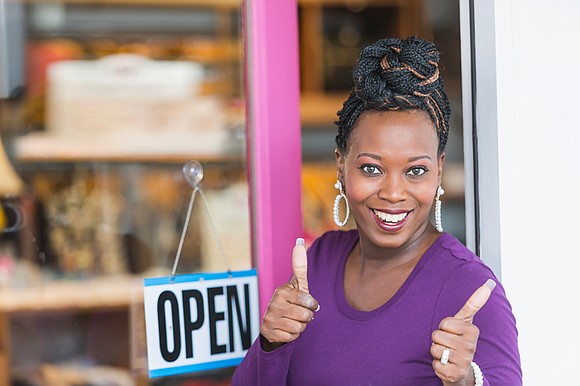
[{"x": 445, "y": 357}]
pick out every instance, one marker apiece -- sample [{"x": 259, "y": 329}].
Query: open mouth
[{"x": 389, "y": 218}]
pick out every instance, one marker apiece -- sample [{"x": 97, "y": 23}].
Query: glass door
[{"x": 118, "y": 96}]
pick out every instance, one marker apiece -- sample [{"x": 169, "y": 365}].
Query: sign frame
[{"x": 220, "y": 309}]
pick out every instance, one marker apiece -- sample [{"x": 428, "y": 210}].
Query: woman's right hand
[{"x": 291, "y": 307}]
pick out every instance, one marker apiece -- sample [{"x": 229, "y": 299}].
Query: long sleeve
[
  {"x": 497, "y": 348},
  {"x": 261, "y": 368},
  {"x": 391, "y": 344}
]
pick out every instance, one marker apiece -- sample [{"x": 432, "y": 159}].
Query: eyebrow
[
  {"x": 416, "y": 158},
  {"x": 371, "y": 155},
  {"x": 379, "y": 158}
]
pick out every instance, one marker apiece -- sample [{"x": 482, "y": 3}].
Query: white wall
[{"x": 537, "y": 176}]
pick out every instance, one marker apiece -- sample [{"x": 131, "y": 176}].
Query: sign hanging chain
[{"x": 193, "y": 172}]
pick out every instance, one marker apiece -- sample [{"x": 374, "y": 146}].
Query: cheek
[
  {"x": 427, "y": 199},
  {"x": 425, "y": 193},
  {"x": 359, "y": 189}
]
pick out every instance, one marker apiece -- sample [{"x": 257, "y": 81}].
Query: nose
[{"x": 393, "y": 188}]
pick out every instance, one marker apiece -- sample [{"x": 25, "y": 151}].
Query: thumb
[
  {"x": 300, "y": 265},
  {"x": 476, "y": 301}
]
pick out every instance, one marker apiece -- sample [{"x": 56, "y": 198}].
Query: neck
[
  {"x": 373, "y": 275},
  {"x": 370, "y": 257}
]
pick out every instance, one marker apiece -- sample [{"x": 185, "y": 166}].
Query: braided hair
[{"x": 394, "y": 74}]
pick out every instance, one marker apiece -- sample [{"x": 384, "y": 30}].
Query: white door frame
[{"x": 478, "y": 66}]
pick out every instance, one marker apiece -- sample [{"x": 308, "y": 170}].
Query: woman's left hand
[{"x": 455, "y": 342}]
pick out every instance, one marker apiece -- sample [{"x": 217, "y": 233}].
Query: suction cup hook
[{"x": 193, "y": 173}]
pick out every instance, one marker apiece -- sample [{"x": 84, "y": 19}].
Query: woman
[{"x": 387, "y": 303}]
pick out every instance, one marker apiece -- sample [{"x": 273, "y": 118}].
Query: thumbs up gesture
[
  {"x": 291, "y": 307},
  {"x": 455, "y": 341}
]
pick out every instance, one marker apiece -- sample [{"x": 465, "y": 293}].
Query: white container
[{"x": 125, "y": 98}]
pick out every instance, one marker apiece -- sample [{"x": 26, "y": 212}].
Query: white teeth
[{"x": 392, "y": 218}]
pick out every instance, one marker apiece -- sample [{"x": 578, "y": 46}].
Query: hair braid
[{"x": 394, "y": 74}]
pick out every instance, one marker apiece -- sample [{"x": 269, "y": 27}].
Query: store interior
[{"x": 118, "y": 95}]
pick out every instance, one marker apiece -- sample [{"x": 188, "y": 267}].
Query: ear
[
  {"x": 440, "y": 162},
  {"x": 339, "y": 165}
]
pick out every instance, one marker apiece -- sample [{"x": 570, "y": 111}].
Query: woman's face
[{"x": 390, "y": 174}]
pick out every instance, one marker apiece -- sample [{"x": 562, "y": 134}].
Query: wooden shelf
[
  {"x": 100, "y": 294},
  {"x": 158, "y": 149},
  {"x": 223, "y": 4},
  {"x": 92, "y": 294}
]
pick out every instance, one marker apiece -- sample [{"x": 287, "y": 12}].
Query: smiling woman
[
  {"x": 397, "y": 300},
  {"x": 391, "y": 172}
]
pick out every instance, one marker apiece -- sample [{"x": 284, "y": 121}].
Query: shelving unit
[
  {"x": 135, "y": 167},
  {"x": 53, "y": 298},
  {"x": 332, "y": 32}
]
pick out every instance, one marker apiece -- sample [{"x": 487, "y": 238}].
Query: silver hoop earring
[
  {"x": 438, "y": 224},
  {"x": 336, "y": 207}
]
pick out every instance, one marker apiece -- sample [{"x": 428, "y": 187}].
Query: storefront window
[{"x": 118, "y": 96}]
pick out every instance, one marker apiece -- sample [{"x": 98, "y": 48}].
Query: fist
[{"x": 291, "y": 307}]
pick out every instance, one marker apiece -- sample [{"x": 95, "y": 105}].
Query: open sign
[{"x": 200, "y": 321}]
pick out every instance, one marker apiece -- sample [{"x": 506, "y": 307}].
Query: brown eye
[
  {"x": 370, "y": 169},
  {"x": 417, "y": 171}
]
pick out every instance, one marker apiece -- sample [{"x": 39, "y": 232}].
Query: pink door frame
[{"x": 274, "y": 137}]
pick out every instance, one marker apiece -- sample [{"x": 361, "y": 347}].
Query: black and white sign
[{"x": 200, "y": 321}]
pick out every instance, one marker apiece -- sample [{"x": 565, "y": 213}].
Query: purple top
[{"x": 389, "y": 345}]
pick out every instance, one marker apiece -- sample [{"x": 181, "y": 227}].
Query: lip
[{"x": 395, "y": 227}]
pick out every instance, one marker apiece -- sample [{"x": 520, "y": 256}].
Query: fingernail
[
  {"x": 299, "y": 241},
  {"x": 490, "y": 284},
  {"x": 317, "y": 308}
]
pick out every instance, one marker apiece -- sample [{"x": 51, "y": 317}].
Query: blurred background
[{"x": 118, "y": 95}]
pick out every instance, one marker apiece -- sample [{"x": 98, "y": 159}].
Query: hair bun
[
  {"x": 394, "y": 67},
  {"x": 395, "y": 75}
]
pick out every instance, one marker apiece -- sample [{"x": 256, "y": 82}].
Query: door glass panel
[
  {"x": 331, "y": 37},
  {"x": 119, "y": 95}
]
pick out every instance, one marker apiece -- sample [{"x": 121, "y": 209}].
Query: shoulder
[
  {"x": 464, "y": 273},
  {"x": 458, "y": 263},
  {"x": 460, "y": 272},
  {"x": 455, "y": 249}
]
